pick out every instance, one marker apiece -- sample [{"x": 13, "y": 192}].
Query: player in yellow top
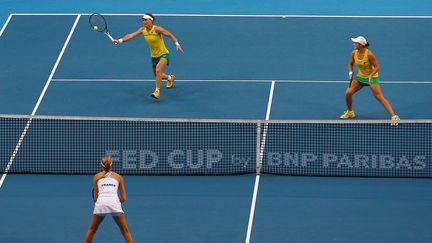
[
  {"x": 158, "y": 52},
  {"x": 367, "y": 75}
]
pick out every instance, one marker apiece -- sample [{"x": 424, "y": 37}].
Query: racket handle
[{"x": 109, "y": 36}]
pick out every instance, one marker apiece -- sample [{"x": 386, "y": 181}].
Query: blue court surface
[{"x": 235, "y": 67}]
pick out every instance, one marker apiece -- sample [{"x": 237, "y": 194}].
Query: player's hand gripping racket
[{"x": 99, "y": 24}]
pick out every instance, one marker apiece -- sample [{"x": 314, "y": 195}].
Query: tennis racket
[
  {"x": 99, "y": 24},
  {"x": 94, "y": 199},
  {"x": 351, "y": 79}
]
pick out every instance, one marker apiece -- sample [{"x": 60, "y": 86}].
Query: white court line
[
  {"x": 5, "y": 24},
  {"x": 47, "y": 14},
  {"x": 299, "y": 16},
  {"x": 244, "y": 15},
  {"x": 232, "y": 80},
  {"x": 270, "y": 101},
  {"x": 23, "y": 134},
  {"x": 252, "y": 210},
  {"x": 257, "y": 178}
]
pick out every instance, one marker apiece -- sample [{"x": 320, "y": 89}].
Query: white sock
[
  {"x": 157, "y": 89},
  {"x": 169, "y": 77}
]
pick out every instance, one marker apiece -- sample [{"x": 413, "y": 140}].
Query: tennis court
[{"x": 248, "y": 80}]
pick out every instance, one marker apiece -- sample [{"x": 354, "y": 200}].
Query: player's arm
[
  {"x": 166, "y": 33},
  {"x": 374, "y": 63},
  {"x": 95, "y": 187},
  {"x": 351, "y": 66},
  {"x": 128, "y": 37},
  {"x": 122, "y": 189}
]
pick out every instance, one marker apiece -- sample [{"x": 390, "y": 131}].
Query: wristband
[
  {"x": 120, "y": 40},
  {"x": 177, "y": 44},
  {"x": 350, "y": 74}
]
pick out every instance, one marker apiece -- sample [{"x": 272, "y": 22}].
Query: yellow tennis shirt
[
  {"x": 155, "y": 42},
  {"x": 365, "y": 68}
]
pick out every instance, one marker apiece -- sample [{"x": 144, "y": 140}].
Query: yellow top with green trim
[
  {"x": 365, "y": 68},
  {"x": 155, "y": 42}
]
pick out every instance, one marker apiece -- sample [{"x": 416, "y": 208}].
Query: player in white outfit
[{"x": 106, "y": 184}]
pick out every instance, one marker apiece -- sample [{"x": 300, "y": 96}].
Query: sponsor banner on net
[
  {"x": 354, "y": 161},
  {"x": 143, "y": 159},
  {"x": 131, "y": 159}
]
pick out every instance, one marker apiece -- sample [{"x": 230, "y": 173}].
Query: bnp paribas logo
[{"x": 349, "y": 161}]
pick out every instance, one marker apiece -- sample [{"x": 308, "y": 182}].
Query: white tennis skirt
[{"x": 108, "y": 206}]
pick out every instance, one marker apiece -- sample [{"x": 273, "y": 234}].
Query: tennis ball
[{"x": 95, "y": 28}]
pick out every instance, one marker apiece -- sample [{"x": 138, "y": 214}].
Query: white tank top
[
  {"x": 108, "y": 186},
  {"x": 108, "y": 201}
]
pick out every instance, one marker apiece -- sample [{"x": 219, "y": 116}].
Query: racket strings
[{"x": 98, "y": 21}]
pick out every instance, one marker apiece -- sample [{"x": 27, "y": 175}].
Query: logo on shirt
[{"x": 109, "y": 184}]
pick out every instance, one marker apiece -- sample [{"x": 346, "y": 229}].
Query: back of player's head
[{"x": 106, "y": 163}]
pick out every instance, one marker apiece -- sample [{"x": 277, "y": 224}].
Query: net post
[{"x": 258, "y": 149}]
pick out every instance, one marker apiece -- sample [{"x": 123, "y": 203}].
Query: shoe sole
[{"x": 154, "y": 96}]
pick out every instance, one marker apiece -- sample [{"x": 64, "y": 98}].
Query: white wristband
[
  {"x": 120, "y": 40},
  {"x": 177, "y": 44},
  {"x": 350, "y": 74}
]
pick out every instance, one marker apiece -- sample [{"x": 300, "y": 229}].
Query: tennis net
[{"x": 74, "y": 145}]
